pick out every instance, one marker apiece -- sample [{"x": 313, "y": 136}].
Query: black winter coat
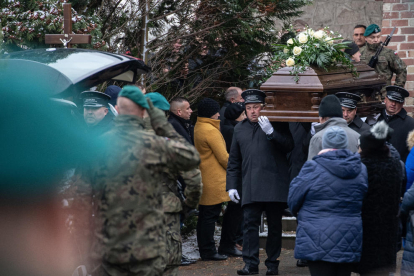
[
  {"x": 222, "y": 109},
  {"x": 379, "y": 214},
  {"x": 358, "y": 125},
  {"x": 402, "y": 124},
  {"x": 227, "y": 130},
  {"x": 183, "y": 127},
  {"x": 299, "y": 155},
  {"x": 259, "y": 162}
]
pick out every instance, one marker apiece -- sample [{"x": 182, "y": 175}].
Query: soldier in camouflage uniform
[
  {"x": 389, "y": 62},
  {"x": 172, "y": 203},
  {"x": 130, "y": 224}
]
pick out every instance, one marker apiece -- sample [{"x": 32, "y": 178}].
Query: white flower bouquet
[{"x": 310, "y": 48}]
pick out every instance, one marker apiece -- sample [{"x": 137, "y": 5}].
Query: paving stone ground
[{"x": 229, "y": 267}]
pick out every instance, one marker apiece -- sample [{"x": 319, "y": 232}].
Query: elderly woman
[
  {"x": 213, "y": 154},
  {"x": 381, "y": 205},
  {"x": 327, "y": 197}
]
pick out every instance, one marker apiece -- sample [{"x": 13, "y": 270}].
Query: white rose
[
  {"x": 303, "y": 38},
  {"x": 297, "y": 50},
  {"x": 286, "y": 50},
  {"x": 329, "y": 40},
  {"x": 311, "y": 32},
  {"x": 290, "y": 62},
  {"x": 290, "y": 41},
  {"x": 319, "y": 34}
]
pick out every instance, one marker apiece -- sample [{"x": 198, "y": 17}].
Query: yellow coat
[{"x": 213, "y": 154}]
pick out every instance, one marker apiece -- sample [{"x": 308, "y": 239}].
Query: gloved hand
[
  {"x": 234, "y": 195},
  {"x": 265, "y": 125},
  {"x": 188, "y": 212},
  {"x": 156, "y": 115}
]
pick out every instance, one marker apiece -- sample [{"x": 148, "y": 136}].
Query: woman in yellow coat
[{"x": 213, "y": 154}]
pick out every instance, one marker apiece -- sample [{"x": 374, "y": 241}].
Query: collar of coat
[
  {"x": 184, "y": 122},
  {"x": 213, "y": 122},
  {"x": 335, "y": 121},
  {"x": 402, "y": 114},
  {"x": 357, "y": 121},
  {"x": 129, "y": 121}
]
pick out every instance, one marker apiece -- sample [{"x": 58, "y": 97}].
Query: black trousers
[
  {"x": 231, "y": 225},
  {"x": 206, "y": 224},
  {"x": 252, "y": 213},
  {"x": 322, "y": 268}
]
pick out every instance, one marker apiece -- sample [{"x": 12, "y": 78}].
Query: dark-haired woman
[{"x": 381, "y": 204}]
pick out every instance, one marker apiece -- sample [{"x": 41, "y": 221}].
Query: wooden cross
[{"x": 67, "y": 38}]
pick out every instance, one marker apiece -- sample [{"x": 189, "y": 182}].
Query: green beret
[
  {"x": 372, "y": 29},
  {"x": 158, "y": 100},
  {"x": 134, "y": 94},
  {"x": 36, "y": 156}
]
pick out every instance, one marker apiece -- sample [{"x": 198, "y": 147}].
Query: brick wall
[{"x": 400, "y": 14}]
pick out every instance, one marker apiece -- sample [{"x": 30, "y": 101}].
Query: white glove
[
  {"x": 234, "y": 195},
  {"x": 265, "y": 125}
]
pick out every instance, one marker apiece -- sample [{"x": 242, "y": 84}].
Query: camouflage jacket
[
  {"x": 389, "y": 63},
  {"x": 171, "y": 201},
  {"x": 127, "y": 185}
]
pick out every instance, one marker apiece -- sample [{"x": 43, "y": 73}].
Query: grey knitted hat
[{"x": 334, "y": 138}]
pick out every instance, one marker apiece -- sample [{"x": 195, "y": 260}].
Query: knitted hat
[
  {"x": 234, "y": 111},
  {"x": 207, "y": 108},
  {"x": 134, "y": 94},
  {"x": 330, "y": 107},
  {"x": 158, "y": 100},
  {"x": 113, "y": 91},
  {"x": 352, "y": 48},
  {"x": 334, "y": 138},
  {"x": 376, "y": 136}
]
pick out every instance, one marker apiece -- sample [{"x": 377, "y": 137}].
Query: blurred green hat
[
  {"x": 372, "y": 29},
  {"x": 134, "y": 94},
  {"x": 39, "y": 141},
  {"x": 158, "y": 100}
]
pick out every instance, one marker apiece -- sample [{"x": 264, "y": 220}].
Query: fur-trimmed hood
[{"x": 410, "y": 140}]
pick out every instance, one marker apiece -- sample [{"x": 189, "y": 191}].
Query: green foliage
[
  {"x": 310, "y": 48},
  {"x": 25, "y": 24},
  {"x": 219, "y": 43}
]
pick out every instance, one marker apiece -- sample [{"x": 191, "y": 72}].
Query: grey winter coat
[{"x": 316, "y": 142}]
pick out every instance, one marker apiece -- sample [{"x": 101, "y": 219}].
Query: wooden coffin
[{"x": 288, "y": 101}]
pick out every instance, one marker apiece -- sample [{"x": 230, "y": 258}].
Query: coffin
[{"x": 288, "y": 101}]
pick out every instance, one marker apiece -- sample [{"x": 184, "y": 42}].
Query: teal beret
[
  {"x": 158, "y": 100},
  {"x": 134, "y": 94},
  {"x": 36, "y": 155},
  {"x": 372, "y": 29}
]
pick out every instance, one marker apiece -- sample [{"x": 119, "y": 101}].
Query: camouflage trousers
[
  {"x": 174, "y": 243},
  {"x": 151, "y": 267}
]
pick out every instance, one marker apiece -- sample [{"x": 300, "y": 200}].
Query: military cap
[
  {"x": 372, "y": 29},
  {"x": 134, "y": 94},
  {"x": 158, "y": 100},
  {"x": 348, "y": 100},
  {"x": 94, "y": 99},
  {"x": 396, "y": 93},
  {"x": 253, "y": 96}
]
